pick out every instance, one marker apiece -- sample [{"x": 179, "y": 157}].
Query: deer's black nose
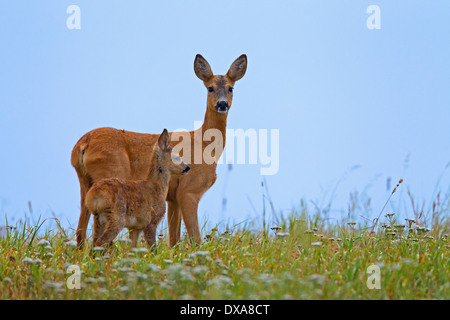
[
  {"x": 222, "y": 106},
  {"x": 186, "y": 170}
]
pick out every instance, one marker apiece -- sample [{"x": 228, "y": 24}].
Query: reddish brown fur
[
  {"x": 107, "y": 152},
  {"x": 136, "y": 205}
]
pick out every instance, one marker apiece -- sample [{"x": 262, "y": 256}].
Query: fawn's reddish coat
[{"x": 137, "y": 205}]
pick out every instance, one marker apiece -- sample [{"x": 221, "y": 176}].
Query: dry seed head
[
  {"x": 398, "y": 184},
  {"x": 410, "y": 222}
]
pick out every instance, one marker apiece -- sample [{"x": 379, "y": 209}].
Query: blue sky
[{"x": 340, "y": 94}]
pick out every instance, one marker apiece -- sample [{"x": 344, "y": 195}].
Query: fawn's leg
[
  {"x": 114, "y": 224},
  {"x": 134, "y": 236},
  {"x": 150, "y": 236},
  {"x": 150, "y": 230},
  {"x": 98, "y": 229},
  {"x": 174, "y": 222}
]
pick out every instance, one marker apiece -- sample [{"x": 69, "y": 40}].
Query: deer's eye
[
  {"x": 230, "y": 89},
  {"x": 210, "y": 89}
]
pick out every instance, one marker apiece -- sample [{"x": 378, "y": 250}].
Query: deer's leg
[
  {"x": 84, "y": 214},
  {"x": 114, "y": 224},
  {"x": 150, "y": 230},
  {"x": 189, "y": 206},
  {"x": 150, "y": 236},
  {"x": 98, "y": 229},
  {"x": 134, "y": 236},
  {"x": 174, "y": 222}
]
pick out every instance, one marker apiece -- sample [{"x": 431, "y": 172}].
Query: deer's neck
[
  {"x": 215, "y": 139},
  {"x": 215, "y": 120}
]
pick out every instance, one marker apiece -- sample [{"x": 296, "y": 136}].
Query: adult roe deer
[
  {"x": 136, "y": 205},
  {"x": 108, "y": 152}
]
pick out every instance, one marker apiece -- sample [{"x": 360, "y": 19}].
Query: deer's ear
[
  {"x": 238, "y": 68},
  {"x": 202, "y": 68},
  {"x": 164, "y": 140}
]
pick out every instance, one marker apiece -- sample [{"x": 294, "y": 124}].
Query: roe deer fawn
[
  {"x": 108, "y": 152},
  {"x": 135, "y": 205}
]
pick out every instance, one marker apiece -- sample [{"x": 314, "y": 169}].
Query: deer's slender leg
[
  {"x": 189, "y": 207},
  {"x": 134, "y": 236},
  {"x": 174, "y": 222}
]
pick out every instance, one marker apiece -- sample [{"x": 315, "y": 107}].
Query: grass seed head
[
  {"x": 71, "y": 243},
  {"x": 390, "y": 214},
  {"x": 43, "y": 243},
  {"x": 282, "y": 234}
]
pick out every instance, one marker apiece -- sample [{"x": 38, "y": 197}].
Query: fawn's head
[
  {"x": 166, "y": 158},
  {"x": 220, "y": 88}
]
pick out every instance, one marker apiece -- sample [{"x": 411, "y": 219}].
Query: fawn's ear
[
  {"x": 202, "y": 68},
  {"x": 164, "y": 140},
  {"x": 238, "y": 68}
]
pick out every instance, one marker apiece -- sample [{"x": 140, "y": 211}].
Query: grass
[{"x": 301, "y": 258}]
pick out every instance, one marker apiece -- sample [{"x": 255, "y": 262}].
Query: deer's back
[{"x": 108, "y": 152}]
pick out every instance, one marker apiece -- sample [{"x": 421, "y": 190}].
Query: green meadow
[{"x": 303, "y": 256}]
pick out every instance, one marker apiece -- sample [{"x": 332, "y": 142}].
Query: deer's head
[
  {"x": 167, "y": 159},
  {"x": 220, "y": 88}
]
